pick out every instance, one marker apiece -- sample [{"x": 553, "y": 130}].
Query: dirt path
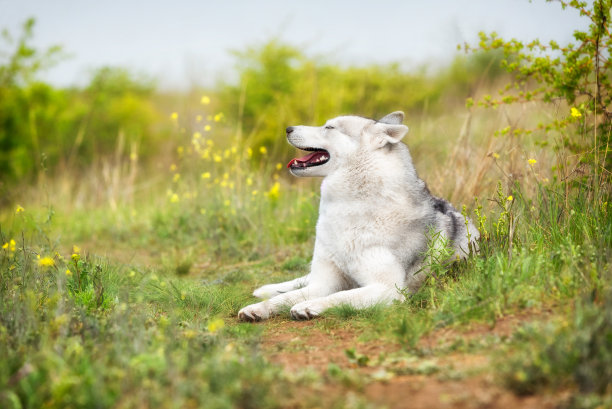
[{"x": 385, "y": 375}]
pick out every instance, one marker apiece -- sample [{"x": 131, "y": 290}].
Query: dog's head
[{"x": 336, "y": 143}]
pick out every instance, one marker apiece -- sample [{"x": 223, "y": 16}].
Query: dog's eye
[{"x": 329, "y": 127}]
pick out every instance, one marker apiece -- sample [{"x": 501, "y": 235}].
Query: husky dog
[{"x": 376, "y": 218}]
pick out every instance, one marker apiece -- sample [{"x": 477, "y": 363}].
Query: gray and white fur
[{"x": 376, "y": 218}]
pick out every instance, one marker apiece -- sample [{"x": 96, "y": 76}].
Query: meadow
[{"x": 135, "y": 223}]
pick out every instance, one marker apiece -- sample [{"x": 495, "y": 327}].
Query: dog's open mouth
[{"x": 316, "y": 158}]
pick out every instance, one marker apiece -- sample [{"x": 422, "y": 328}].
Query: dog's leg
[
  {"x": 362, "y": 297},
  {"x": 271, "y": 290},
  {"x": 382, "y": 276},
  {"x": 324, "y": 279}
]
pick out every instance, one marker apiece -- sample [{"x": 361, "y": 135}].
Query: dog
[{"x": 376, "y": 220}]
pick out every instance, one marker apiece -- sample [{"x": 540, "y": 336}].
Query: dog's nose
[{"x": 289, "y": 130}]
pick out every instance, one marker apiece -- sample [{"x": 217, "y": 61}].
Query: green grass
[
  {"x": 112, "y": 334},
  {"x": 574, "y": 352},
  {"x": 178, "y": 211},
  {"x": 144, "y": 314},
  {"x": 145, "y": 339},
  {"x": 151, "y": 321}
]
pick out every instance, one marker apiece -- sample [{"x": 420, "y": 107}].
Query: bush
[
  {"x": 570, "y": 353},
  {"x": 576, "y": 75}
]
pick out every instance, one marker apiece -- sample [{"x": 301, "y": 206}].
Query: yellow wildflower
[
  {"x": 532, "y": 161},
  {"x": 174, "y": 198},
  {"x": 249, "y": 181},
  {"x": 75, "y": 257},
  {"x": 197, "y": 135},
  {"x": 5, "y": 246},
  {"x": 180, "y": 150},
  {"x": 496, "y": 155},
  {"x": 133, "y": 156},
  {"x": 207, "y": 128},
  {"x": 199, "y": 118},
  {"x": 215, "y": 325},
  {"x": 132, "y": 273},
  {"x": 68, "y": 272},
  {"x": 575, "y": 113},
  {"x": 226, "y": 203},
  {"x": 217, "y": 158},
  {"x": 202, "y": 211},
  {"x": 176, "y": 177},
  {"x": 218, "y": 117},
  {"x": 76, "y": 249},
  {"x": 206, "y": 175},
  {"x": 226, "y": 176},
  {"x": 46, "y": 262},
  {"x": 510, "y": 198},
  {"x": 274, "y": 191},
  {"x": 279, "y": 166},
  {"x": 205, "y": 100},
  {"x": 174, "y": 116},
  {"x": 250, "y": 152},
  {"x": 172, "y": 167},
  {"x": 263, "y": 150},
  {"x": 19, "y": 209}
]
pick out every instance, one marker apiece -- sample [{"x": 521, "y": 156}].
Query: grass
[
  {"x": 133, "y": 232},
  {"x": 120, "y": 281},
  {"x": 94, "y": 343},
  {"x": 142, "y": 312},
  {"x": 573, "y": 353},
  {"x": 80, "y": 330}
]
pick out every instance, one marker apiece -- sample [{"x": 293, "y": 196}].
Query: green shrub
[{"x": 574, "y": 352}]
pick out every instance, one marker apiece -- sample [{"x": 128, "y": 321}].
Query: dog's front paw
[
  {"x": 307, "y": 310},
  {"x": 267, "y": 291},
  {"x": 254, "y": 312}
]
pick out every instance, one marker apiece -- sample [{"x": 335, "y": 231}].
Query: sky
[{"x": 188, "y": 42}]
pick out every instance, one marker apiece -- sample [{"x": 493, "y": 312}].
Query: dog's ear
[
  {"x": 394, "y": 118},
  {"x": 389, "y": 133}
]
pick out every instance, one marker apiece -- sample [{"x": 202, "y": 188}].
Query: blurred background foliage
[
  {"x": 44, "y": 129},
  {"x": 279, "y": 85}
]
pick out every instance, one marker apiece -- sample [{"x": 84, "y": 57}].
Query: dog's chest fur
[{"x": 360, "y": 211}]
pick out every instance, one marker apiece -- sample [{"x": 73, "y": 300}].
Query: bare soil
[{"x": 396, "y": 378}]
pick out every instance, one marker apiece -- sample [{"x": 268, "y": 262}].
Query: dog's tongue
[{"x": 306, "y": 159}]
